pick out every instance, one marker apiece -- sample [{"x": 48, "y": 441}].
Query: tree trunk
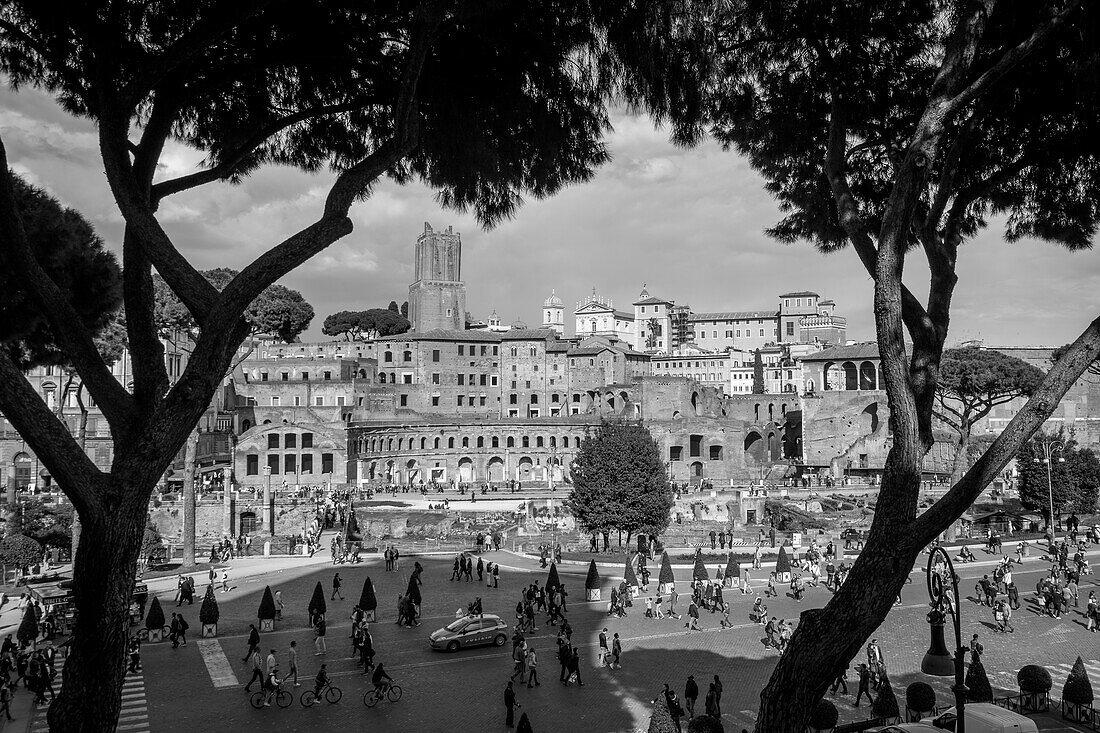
[
  {"x": 103, "y": 582},
  {"x": 82, "y": 440},
  {"x": 189, "y": 451},
  {"x": 962, "y": 447},
  {"x": 826, "y": 640}
]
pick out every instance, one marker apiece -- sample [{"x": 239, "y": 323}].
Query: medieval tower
[{"x": 437, "y": 296}]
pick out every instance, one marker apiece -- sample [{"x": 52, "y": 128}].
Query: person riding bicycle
[
  {"x": 271, "y": 685},
  {"x": 320, "y": 682},
  {"x": 377, "y": 679}
]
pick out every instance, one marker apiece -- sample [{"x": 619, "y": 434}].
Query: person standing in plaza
[
  {"x": 319, "y": 630},
  {"x": 336, "y": 583},
  {"x": 672, "y": 597},
  {"x": 292, "y": 657},
  {"x": 603, "y": 650},
  {"x": 510, "y": 705},
  {"x": 225, "y": 580},
  {"x": 691, "y": 694},
  {"x": 718, "y": 695},
  {"x": 616, "y": 652},
  {"x": 278, "y": 605},
  {"x": 710, "y": 704},
  {"x": 180, "y": 635}
]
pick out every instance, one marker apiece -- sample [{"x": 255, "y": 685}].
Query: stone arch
[
  {"x": 851, "y": 376},
  {"x": 773, "y": 446},
  {"x": 609, "y": 399},
  {"x": 526, "y": 468},
  {"x": 381, "y": 377},
  {"x": 466, "y": 470},
  {"x": 695, "y": 402},
  {"x": 246, "y": 425},
  {"x": 362, "y": 373},
  {"x": 869, "y": 419},
  {"x": 372, "y": 470},
  {"x": 412, "y": 471},
  {"x": 391, "y": 470},
  {"x": 495, "y": 468},
  {"x": 696, "y": 471},
  {"x": 267, "y": 422},
  {"x": 868, "y": 377},
  {"x": 247, "y": 524},
  {"x": 754, "y": 448}
]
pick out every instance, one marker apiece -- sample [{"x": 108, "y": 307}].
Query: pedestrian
[
  {"x": 864, "y": 685},
  {"x": 519, "y": 658},
  {"x": 575, "y": 666},
  {"x": 336, "y": 583},
  {"x": 253, "y": 642},
  {"x": 480, "y": 568},
  {"x": 279, "y": 605},
  {"x": 718, "y": 694},
  {"x": 292, "y": 657},
  {"x": 616, "y": 652},
  {"x": 181, "y": 631},
  {"x": 271, "y": 663},
  {"x": 603, "y": 650},
  {"x": 319, "y": 630},
  {"x": 496, "y": 574},
  {"x": 510, "y": 704},
  {"x": 225, "y": 580},
  {"x": 5, "y": 700},
  {"x": 456, "y": 571},
  {"x": 675, "y": 711},
  {"x": 841, "y": 681},
  {"x": 710, "y": 704},
  {"x": 488, "y": 574},
  {"x": 257, "y": 670},
  {"x": 691, "y": 694},
  {"x": 693, "y": 617}
]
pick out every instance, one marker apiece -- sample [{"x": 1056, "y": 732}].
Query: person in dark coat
[
  {"x": 510, "y": 704},
  {"x": 864, "y": 684},
  {"x": 691, "y": 694}
]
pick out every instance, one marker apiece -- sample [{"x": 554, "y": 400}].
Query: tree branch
[
  {"x": 146, "y": 349},
  {"x": 1030, "y": 418},
  {"x": 48, "y": 437},
  {"x": 72, "y": 337}
]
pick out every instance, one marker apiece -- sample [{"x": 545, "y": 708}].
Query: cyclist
[
  {"x": 378, "y": 677},
  {"x": 321, "y": 681},
  {"x": 272, "y": 685}
]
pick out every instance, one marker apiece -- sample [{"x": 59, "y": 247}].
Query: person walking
[
  {"x": 253, "y": 642},
  {"x": 532, "y": 662},
  {"x": 456, "y": 571},
  {"x": 225, "y": 580},
  {"x": 840, "y": 681},
  {"x": 336, "y": 583},
  {"x": 710, "y": 705},
  {"x": 292, "y": 658},
  {"x": 257, "y": 670},
  {"x": 180, "y": 636},
  {"x": 616, "y": 652},
  {"x": 691, "y": 694},
  {"x": 575, "y": 666},
  {"x": 319, "y": 630},
  {"x": 510, "y": 705},
  {"x": 718, "y": 695},
  {"x": 864, "y": 685},
  {"x": 278, "y": 605}
]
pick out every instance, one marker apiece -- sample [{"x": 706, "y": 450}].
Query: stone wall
[{"x": 292, "y": 517}]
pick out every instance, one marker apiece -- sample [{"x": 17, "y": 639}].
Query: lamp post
[
  {"x": 937, "y": 661},
  {"x": 1050, "y": 448}
]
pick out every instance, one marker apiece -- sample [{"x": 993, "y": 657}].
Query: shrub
[
  {"x": 629, "y": 575},
  {"x": 783, "y": 564},
  {"x": 368, "y": 601},
  {"x": 1078, "y": 689},
  {"x": 28, "y": 627},
  {"x": 524, "y": 725},
  {"x": 20, "y": 550},
  {"x": 317, "y": 603},
  {"x": 824, "y": 716},
  {"x": 705, "y": 724},
  {"x": 660, "y": 721},
  {"x": 552, "y": 581},
  {"x": 699, "y": 572},
  {"x": 920, "y": 697},
  {"x": 1033, "y": 678},
  {"x": 666, "y": 575},
  {"x": 733, "y": 569},
  {"x": 209, "y": 613},
  {"x": 978, "y": 688},
  {"x": 154, "y": 620},
  {"x": 886, "y": 703},
  {"x": 267, "y": 605},
  {"x": 592, "y": 580}
]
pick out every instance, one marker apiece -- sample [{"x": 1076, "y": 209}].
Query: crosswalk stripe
[{"x": 133, "y": 716}]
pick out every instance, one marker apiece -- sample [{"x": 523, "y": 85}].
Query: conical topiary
[
  {"x": 733, "y": 568},
  {"x": 317, "y": 602},
  {"x": 920, "y": 697},
  {"x": 592, "y": 580},
  {"x": 353, "y": 534},
  {"x": 699, "y": 572},
  {"x": 524, "y": 725},
  {"x": 666, "y": 575},
  {"x": 267, "y": 605},
  {"x": 367, "y": 600},
  {"x": 155, "y": 618},
  {"x": 978, "y": 688},
  {"x": 28, "y": 627},
  {"x": 629, "y": 575},
  {"x": 886, "y": 703},
  {"x": 209, "y": 613},
  {"x": 824, "y": 716},
  {"x": 783, "y": 564},
  {"x": 552, "y": 581},
  {"x": 1078, "y": 689}
]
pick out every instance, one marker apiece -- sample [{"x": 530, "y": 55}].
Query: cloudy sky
[{"x": 688, "y": 223}]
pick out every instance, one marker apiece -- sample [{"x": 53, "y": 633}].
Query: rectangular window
[
  {"x": 252, "y": 465},
  {"x": 461, "y": 400},
  {"x": 290, "y": 464},
  {"x": 461, "y": 349},
  {"x": 513, "y": 413},
  {"x": 273, "y": 463},
  {"x": 676, "y": 453},
  {"x": 273, "y": 441},
  {"x": 761, "y": 332},
  {"x": 484, "y": 350},
  {"x": 284, "y": 376},
  {"x": 482, "y": 401},
  {"x": 715, "y": 452},
  {"x": 483, "y": 379},
  {"x": 461, "y": 380},
  {"x": 494, "y": 351},
  {"x": 319, "y": 401},
  {"x": 513, "y": 399},
  {"x": 696, "y": 446},
  {"x": 340, "y": 400},
  {"x": 307, "y": 463},
  {"x": 790, "y": 328},
  {"x": 328, "y": 376},
  {"x": 435, "y": 354},
  {"x": 493, "y": 380},
  {"x": 275, "y": 401},
  {"x": 404, "y": 400},
  {"x": 554, "y": 397},
  {"x": 534, "y": 351},
  {"x": 326, "y": 463},
  {"x": 406, "y": 379},
  {"x": 290, "y": 440},
  {"x": 263, "y": 377},
  {"x": 435, "y": 400},
  {"x": 305, "y": 376},
  {"x": 528, "y": 383},
  {"x": 435, "y": 378}
]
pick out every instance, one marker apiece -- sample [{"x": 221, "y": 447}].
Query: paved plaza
[{"x": 200, "y": 686}]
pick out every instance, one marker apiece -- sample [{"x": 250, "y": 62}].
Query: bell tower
[{"x": 437, "y": 296}]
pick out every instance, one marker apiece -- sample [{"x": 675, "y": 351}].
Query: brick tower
[{"x": 437, "y": 297}]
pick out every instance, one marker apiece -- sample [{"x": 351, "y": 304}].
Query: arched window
[
  {"x": 565, "y": 442},
  {"x": 435, "y": 443},
  {"x": 381, "y": 377},
  {"x": 511, "y": 442},
  {"x": 480, "y": 442},
  {"x": 400, "y": 442},
  {"x": 423, "y": 443},
  {"x": 538, "y": 441},
  {"x": 450, "y": 442},
  {"x": 465, "y": 442},
  {"x": 389, "y": 444},
  {"x": 494, "y": 442},
  {"x": 407, "y": 356},
  {"x": 526, "y": 442}
]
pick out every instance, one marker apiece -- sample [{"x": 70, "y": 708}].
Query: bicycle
[
  {"x": 283, "y": 698},
  {"x": 332, "y": 694},
  {"x": 374, "y": 696}
]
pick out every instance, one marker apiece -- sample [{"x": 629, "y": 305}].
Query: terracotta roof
[
  {"x": 800, "y": 294},
  {"x": 528, "y": 334},
  {"x": 730, "y": 315},
  {"x": 439, "y": 334},
  {"x": 652, "y": 301},
  {"x": 867, "y": 350}
]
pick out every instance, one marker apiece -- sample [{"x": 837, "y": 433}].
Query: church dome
[{"x": 553, "y": 301}]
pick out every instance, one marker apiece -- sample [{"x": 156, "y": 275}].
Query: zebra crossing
[
  {"x": 134, "y": 717},
  {"x": 1058, "y": 674}
]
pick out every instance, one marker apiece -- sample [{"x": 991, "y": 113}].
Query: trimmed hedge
[
  {"x": 317, "y": 603},
  {"x": 886, "y": 703},
  {"x": 154, "y": 619},
  {"x": 629, "y": 575},
  {"x": 552, "y": 581},
  {"x": 1033, "y": 678},
  {"x": 1078, "y": 688},
  {"x": 368, "y": 601},
  {"x": 592, "y": 580},
  {"x": 920, "y": 697},
  {"x": 783, "y": 563},
  {"x": 699, "y": 572},
  {"x": 267, "y": 605},
  {"x": 666, "y": 575},
  {"x": 978, "y": 688},
  {"x": 209, "y": 613}
]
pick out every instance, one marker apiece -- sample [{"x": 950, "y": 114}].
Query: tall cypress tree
[
  {"x": 552, "y": 581},
  {"x": 317, "y": 603},
  {"x": 665, "y": 575},
  {"x": 367, "y": 599}
]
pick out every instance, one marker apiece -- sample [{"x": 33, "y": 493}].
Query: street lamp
[
  {"x": 937, "y": 661},
  {"x": 1049, "y": 449}
]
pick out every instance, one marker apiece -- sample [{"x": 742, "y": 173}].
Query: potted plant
[
  {"x": 978, "y": 688},
  {"x": 1077, "y": 694},
  {"x": 823, "y": 717},
  {"x": 920, "y": 701},
  {"x": 266, "y": 612},
  {"x": 783, "y": 567},
  {"x": 592, "y": 583},
  {"x": 699, "y": 572},
  {"x": 154, "y": 620},
  {"x": 631, "y": 578},
  {"x": 733, "y": 572},
  {"x": 209, "y": 613},
  {"x": 552, "y": 581},
  {"x": 665, "y": 579},
  {"x": 1035, "y": 684},
  {"x": 317, "y": 605},
  {"x": 885, "y": 705},
  {"x": 368, "y": 601}
]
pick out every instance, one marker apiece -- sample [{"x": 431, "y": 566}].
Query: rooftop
[
  {"x": 800, "y": 294},
  {"x": 866, "y": 350},
  {"x": 730, "y": 315}
]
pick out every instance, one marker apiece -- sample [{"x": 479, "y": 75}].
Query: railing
[
  {"x": 1086, "y": 715},
  {"x": 1025, "y": 702}
]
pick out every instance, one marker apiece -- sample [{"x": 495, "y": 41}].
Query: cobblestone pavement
[{"x": 463, "y": 691}]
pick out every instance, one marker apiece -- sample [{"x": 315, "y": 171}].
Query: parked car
[
  {"x": 470, "y": 631},
  {"x": 985, "y": 717}
]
